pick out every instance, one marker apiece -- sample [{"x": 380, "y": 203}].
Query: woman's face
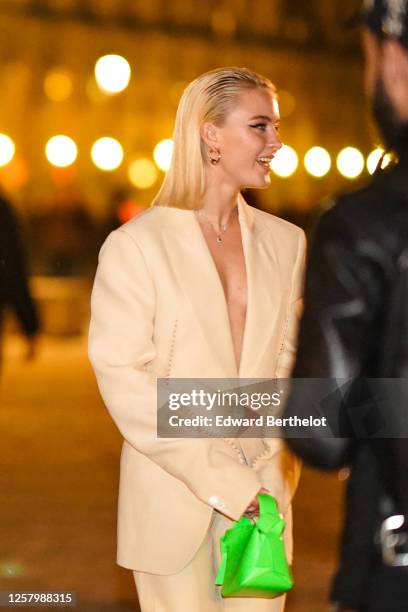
[{"x": 248, "y": 140}]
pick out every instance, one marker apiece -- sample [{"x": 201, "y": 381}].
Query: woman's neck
[{"x": 218, "y": 203}]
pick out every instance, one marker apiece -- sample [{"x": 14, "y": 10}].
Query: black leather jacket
[{"x": 355, "y": 326}]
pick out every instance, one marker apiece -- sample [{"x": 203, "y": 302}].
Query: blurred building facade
[{"x": 48, "y": 50}]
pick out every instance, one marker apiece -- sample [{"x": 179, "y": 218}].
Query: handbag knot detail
[{"x": 253, "y": 562}]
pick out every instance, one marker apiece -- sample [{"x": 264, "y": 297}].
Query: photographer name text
[{"x": 258, "y": 421}]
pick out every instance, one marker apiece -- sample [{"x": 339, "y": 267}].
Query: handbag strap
[
  {"x": 267, "y": 504},
  {"x": 269, "y": 518}
]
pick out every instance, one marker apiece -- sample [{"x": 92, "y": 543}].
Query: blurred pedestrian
[
  {"x": 14, "y": 289},
  {"x": 354, "y": 328}
]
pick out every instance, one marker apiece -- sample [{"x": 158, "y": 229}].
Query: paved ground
[{"x": 58, "y": 479}]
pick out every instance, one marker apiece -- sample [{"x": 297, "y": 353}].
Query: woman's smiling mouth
[{"x": 265, "y": 162}]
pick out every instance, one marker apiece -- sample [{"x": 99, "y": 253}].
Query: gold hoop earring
[{"x": 214, "y": 160}]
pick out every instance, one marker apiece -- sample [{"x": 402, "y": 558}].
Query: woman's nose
[{"x": 275, "y": 145}]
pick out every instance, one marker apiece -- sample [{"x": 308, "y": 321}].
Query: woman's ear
[
  {"x": 395, "y": 75},
  {"x": 209, "y": 134}
]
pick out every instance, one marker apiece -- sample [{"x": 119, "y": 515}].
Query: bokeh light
[
  {"x": 350, "y": 162},
  {"x": 11, "y": 569},
  {"x": 162, "y": 154},
  {"x": 285, "y": 162},
  {"x": 128, "y": 209},
  {"x": 107, "y": 153},
  {"x": 58, "y": 85},
  {"x": 7, "y": 149},
  {"x": 61, "y": 151},
  {"x": 112, "y": 73},
  {"x": 142, "y": 173},
  {"x": 317, "y": 162},
  {"x": 374, "y": 159}
]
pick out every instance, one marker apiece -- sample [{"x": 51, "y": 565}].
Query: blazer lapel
[
  {"x": 263, "y": 291},
  {"x": 198, "y": 277}
]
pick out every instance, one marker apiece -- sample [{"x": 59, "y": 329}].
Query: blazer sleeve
[
  {"x": 278, "y": 461},
  {"x": 121, "y": 345},
  {"x": 287, "y": 353}
]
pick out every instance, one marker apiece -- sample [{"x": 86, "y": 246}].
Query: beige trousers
[{"x": 193, "y": 589}]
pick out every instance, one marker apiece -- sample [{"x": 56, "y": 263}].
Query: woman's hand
[{"x": 253, "y": 509}]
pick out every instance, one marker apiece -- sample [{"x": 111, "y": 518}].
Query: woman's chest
[{"x": 230, "y": 267}]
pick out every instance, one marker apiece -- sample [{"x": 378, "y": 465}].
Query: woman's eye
[{"x": 260, "y": 126}]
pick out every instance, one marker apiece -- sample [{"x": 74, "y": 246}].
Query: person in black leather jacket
[{"x": 355, "y": 327}]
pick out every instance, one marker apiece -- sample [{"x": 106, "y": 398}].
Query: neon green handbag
[{"x": 253, "y": 562}]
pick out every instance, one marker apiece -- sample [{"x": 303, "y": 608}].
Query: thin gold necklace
[{"x": 223, "y": 227}]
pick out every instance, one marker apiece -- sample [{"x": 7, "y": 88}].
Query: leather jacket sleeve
[{"x": 345, "y": 282}]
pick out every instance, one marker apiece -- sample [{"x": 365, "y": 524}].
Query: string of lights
[
  {"x": 112, "y": 75},
  {"x": 107, "y": 154}
]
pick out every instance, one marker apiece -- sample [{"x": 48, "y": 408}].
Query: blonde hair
[{"x": 210, "y": 97}]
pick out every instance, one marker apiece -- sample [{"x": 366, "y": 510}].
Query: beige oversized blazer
[{"x": 159, "y": 310}]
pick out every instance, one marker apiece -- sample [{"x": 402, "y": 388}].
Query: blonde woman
[{"x": 199, "y": 285}]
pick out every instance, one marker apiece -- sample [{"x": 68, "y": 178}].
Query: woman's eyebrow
[{"x": 265, "y": 117}]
